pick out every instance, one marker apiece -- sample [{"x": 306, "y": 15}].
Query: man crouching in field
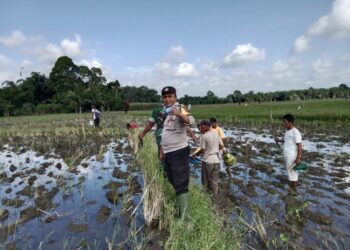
[
  {"x": 292, "y": 149},
  {"x": 174, "y": 147}
]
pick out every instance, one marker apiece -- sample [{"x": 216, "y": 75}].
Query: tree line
[
  {"x": 73, "y": 88},
  {"x": 342, "y": 91},
  {"x": 68, "y": 88}
]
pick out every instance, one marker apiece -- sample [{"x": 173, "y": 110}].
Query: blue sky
[{"x": 194, "y": 45}]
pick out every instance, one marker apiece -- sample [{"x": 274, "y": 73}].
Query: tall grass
[
  {"x": 154, "y": 200},
  {"x": 204, "y": 228}
]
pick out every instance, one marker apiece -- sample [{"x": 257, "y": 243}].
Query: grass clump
[
  {"x": 203, "y": 229},
  {"x": 153, "y": 191}
]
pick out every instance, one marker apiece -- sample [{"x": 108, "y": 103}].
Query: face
[
  {"x": 169, "y": 99},
  {"x": 287, "y": 124},
  {"x": 214, "y": 124},
  {"x": 204, "y": 129}
]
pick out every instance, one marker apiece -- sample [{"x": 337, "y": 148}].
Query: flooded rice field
[
  {"x": 315, "y": 216},
  {"x": 47, "y": 203}
]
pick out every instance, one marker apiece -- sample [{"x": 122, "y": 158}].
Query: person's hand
[
  {"x": 175, "y": 111},
  {"x": 141, "y": 135},
  {"x": 297, "y": 161},
  {"x": 224, "y": 150},
  {"x": 161, "y": 155},
  {"x": 193, "y": 156}
]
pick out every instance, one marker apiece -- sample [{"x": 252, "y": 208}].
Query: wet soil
[{"x": 260, "y": 187}]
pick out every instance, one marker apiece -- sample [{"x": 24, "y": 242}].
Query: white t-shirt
[
  {"x": 291, "y": 138},
  {"x": 96, "y": 113}
]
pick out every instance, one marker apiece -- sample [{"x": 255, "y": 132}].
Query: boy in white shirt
[{"x": 292, "y": 149}]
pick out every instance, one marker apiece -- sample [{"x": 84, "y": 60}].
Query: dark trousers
[
  {"x": 97, "y": 122},
  {"x": 178, "y": 169}
]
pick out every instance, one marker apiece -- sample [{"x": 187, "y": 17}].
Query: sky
[{"x": 193, "y": 45}]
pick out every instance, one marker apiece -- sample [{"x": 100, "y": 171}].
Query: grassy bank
[{"x": 204, "y": 229}]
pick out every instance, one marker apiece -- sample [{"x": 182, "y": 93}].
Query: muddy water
[
  {"x": 47, "y": 204},
  {"x": 314, "y": 216}
]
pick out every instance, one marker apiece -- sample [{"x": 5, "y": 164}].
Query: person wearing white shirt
[
  {"x": 95, "y": 116},
  {"x": 292, "y": 149}
]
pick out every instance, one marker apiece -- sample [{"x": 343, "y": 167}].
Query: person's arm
[
  {"x": 298, "y": 142},
  {"x": 197, "y": 152},
  {"x": 222, "y": 135},
  {"x": 299, "y": 151},
  {"x": 185, "y": 118},
  {"x": 192, "y": 135},
  {"x": 148, "y": 127},
  {"x": 222, "y": 147},
  {"x": 161, "y": 154},
  {"x": 201, "y": 148}
]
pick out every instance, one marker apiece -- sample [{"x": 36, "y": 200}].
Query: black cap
[
  {"x": 168, "y": 90},
  {"x": 205, "y": 123}
]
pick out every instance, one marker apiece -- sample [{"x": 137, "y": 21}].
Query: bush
[
  {"x": 143, "y": 105},
  {"x": 50, "y": 108}
]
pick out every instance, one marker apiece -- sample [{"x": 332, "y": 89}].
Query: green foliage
[
  {"x": 139, "y": 94},
  {"x": 50, "y": 108}
]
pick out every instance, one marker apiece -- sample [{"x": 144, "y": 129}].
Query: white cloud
[
  {"x": 336, "y": 23},
  {"x": 280, "y": 66},
  {"x": 41, "y": 56},
  {"x": 162, "y": 68},
  {"x": 49, "y": 53},
  {"x": 6, "y": 65},
  {"x": 244, "y": 54},
  {"x": 322, "y": 65},
  {"x": 284, "y": 74},
  {"x": 26, "y": 63},
  {"x": 91, "y": 63},
  {"x": 176, "y": 54},
  {"x": 16, "y": 38},
  {"x": 72, "y": 47},
  {"x": 186, "y": 70},
  {"x": 301, "y": 44},
  {"x": 4, "y": 61},
  {"x": 346, "y": 57}
]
